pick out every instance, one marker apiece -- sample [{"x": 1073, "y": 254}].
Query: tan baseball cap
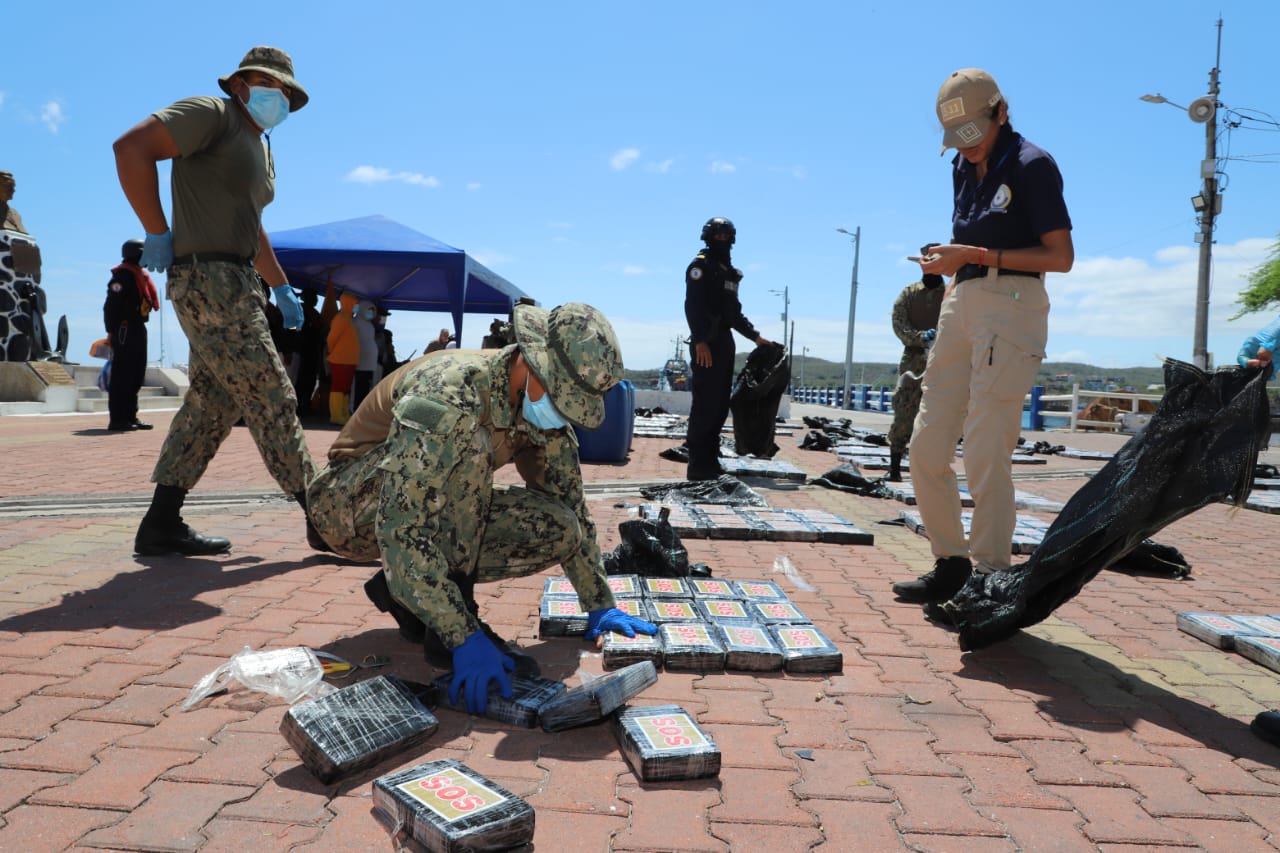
[{"x": 964, "y": 107}]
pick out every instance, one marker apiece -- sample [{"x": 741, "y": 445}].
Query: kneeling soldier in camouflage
[{"x": 410, "y": 481}]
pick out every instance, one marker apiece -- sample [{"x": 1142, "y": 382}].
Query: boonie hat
[
  {"x": 575, "y": 355},
  {"x": 964, "y": 107},
  {"x": 275, "y": 63}
]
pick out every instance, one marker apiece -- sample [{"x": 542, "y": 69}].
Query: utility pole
[
  {"x": 1212, "y": 207},
  {"x": 856, "y": 236}
]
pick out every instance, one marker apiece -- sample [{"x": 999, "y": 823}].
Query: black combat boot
[
  {"x": 525, "y": 665},
  {"x": 948, "y": 575},
  {"x": 895, "y": 466},
  {"x": 1267, "y": 726},
  {"x": 162, "y": 530},
  {"x": 411, "y": 627},
  {"x": 314, "y": 539}
]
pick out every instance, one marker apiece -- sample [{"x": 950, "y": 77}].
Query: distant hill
[{"x": 1056, "y": 376}]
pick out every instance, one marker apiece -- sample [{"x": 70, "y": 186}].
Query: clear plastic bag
[{"x": 292, "y": 673}]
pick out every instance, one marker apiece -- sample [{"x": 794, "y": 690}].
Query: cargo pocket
[{"x": 1005, "y": 369}]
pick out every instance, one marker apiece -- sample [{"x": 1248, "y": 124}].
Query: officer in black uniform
[
  {"x": 713, "y": 312},
  {"x": 131, "y": 297}
]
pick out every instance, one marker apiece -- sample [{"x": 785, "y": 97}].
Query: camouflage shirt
[{"x": 452, "y": 426}]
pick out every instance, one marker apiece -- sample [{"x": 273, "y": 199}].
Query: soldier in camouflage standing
[
  {"x": 410, "y": 481},
  {"x": 915, "y": 322},
  {"x": 222, "y": 177}
]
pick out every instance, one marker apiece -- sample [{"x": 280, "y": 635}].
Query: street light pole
[
  {"x": 786, "y": 304},
  {"x": 1209, "y": 172},
  {"x": 856, "y": 237},
  {"x": 1208, "y": 204}
]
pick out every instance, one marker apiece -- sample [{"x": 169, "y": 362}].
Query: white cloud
[
  {"x": 634, "y": 269},
  {"x": 2, "y": 96},
  {"x": 473, "y": 186},
  {"x": 624, "y": 158},
  {"x": 52, "y": 116},
  {"x": 722, "y": 167},
  {"x": 379, "y": 174},
  {"x": 661, "y": 168}
]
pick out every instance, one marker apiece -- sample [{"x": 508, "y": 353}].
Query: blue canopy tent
[{"x": 393, "y": 266}]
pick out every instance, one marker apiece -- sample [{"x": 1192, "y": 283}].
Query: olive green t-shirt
[{"x": 222, "y": 179}]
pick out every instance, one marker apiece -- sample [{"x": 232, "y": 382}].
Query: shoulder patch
[
  {"x": 116, "y": 287},
  {"x": 695, "y": 272}
]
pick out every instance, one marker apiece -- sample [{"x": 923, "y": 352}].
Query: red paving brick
[{"x": 1105, "y": 728}]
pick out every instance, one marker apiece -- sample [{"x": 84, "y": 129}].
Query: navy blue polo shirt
[{"x": 1019, "y": 199}]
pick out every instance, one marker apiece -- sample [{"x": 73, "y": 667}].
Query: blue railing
[{"x": 865, "y": 398}]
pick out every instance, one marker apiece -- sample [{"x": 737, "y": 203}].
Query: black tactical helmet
[
  {"x": 716, "y": 226},
  {"x": 131, "y": 251}
]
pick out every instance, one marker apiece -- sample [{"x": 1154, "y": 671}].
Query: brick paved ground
[{"x": 1104, "y": 728}]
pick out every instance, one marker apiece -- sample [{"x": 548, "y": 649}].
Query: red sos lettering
[
  {"x": 724, "y": 608},
  {"x": 687, "y": 633},
  {"x": 455, "y": 795},
  {"x": 672, "y": 732},
  {"x": 801, "y": 638},
  {"x": 747, "y": 637},
  {"x": 776, "y": 609}
]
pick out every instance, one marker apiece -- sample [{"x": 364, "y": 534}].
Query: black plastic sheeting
[
  {"x": 1200, "y": 447},
  {"x": 757, "y": 393},
  {"x": 726, "y": 490},
  {"x": 651, "y": 547},
  {"x": 849, "y": 478}
]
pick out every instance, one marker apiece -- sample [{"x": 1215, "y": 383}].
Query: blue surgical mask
[
  {"x": 267, "y": 107},
  {"x": 541, "y": 414}
]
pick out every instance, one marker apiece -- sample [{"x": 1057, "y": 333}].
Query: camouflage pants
[
  {"x": 906, "y": 399},
  {"x": 234, "y": 372},
  {"x": 483, "y": 534}
]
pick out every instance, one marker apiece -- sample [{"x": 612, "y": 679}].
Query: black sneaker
[{"x": 154, "y": 540}]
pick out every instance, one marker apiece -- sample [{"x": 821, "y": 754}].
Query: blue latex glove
[
  {"x": 290, "y": 307},
  {"x": 475, "y": 663},
  {"x": 613, "y": 619},
  {"x": 157, "y": 252},
  {"x": 928, "y": 336}
]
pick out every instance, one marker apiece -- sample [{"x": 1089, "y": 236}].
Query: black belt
[
  {"x": 969, "y": 271},
  {"x": 206, "y": 257}
]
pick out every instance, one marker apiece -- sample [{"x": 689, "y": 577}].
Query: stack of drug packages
[
  {"x": 705, "y": 625},
  {"x": 1254, "y": 637}
]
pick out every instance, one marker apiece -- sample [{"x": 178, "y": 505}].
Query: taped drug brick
[
  {"x": 1262, "y": 650},
  {"x": 561, "y": 617},
  {"x": 528, "y": 695},
  {"x": 624, "y": 586},
  {"x": 665, "y": 743},
  {"x": 559, "y": 588},
  {"x": 749, "y": 648},
  {"x": 358, "y": 726},
  {"x": 1213, "y": 628},
  {"x": 637, "y": 607},
  {"x": 592, "y": 701},
  {"x": 666, "y": 588},
  {"x": 805, "y": 649},
  {"x": 724, "y": 610},
  {"x": 712, "y": 588},
  {"x": 690, "y": 647},
  {"x": 448, "y": 807},
  {"x": 619, "y": 650},
  {"x": 759, "y": 591},
  {"x": 663, "y": 610},
  {"x": 776, "y": 613}
]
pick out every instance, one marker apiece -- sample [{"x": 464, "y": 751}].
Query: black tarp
[
  {"x": 1200, "y": 447},
  {"x": 757, "y": 393}
]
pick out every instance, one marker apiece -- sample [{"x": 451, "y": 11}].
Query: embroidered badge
[
  {"x": 951, "y": 109},
  {"x": 695, "y": 273},
  {"x": 115, "y": 287},
  {"x": 1003, "y": 198},
  {"x": 969, "y": 134}
]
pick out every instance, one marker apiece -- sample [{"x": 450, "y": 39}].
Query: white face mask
[{"x": 267, "y": 107}]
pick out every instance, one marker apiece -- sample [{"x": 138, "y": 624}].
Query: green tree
[{"x": 1264, "y": 286}]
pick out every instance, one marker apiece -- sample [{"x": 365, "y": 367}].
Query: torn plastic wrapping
[
  {"x": 291, "y": 673},
  {"x": 1200, "y": 447},
  {"x": 725, "y": 490}
]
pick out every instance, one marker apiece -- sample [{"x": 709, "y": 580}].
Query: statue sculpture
[{"x": 23, "y": 336}]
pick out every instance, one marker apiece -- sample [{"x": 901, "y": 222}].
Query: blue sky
[{"x": 576, "y": 148}]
